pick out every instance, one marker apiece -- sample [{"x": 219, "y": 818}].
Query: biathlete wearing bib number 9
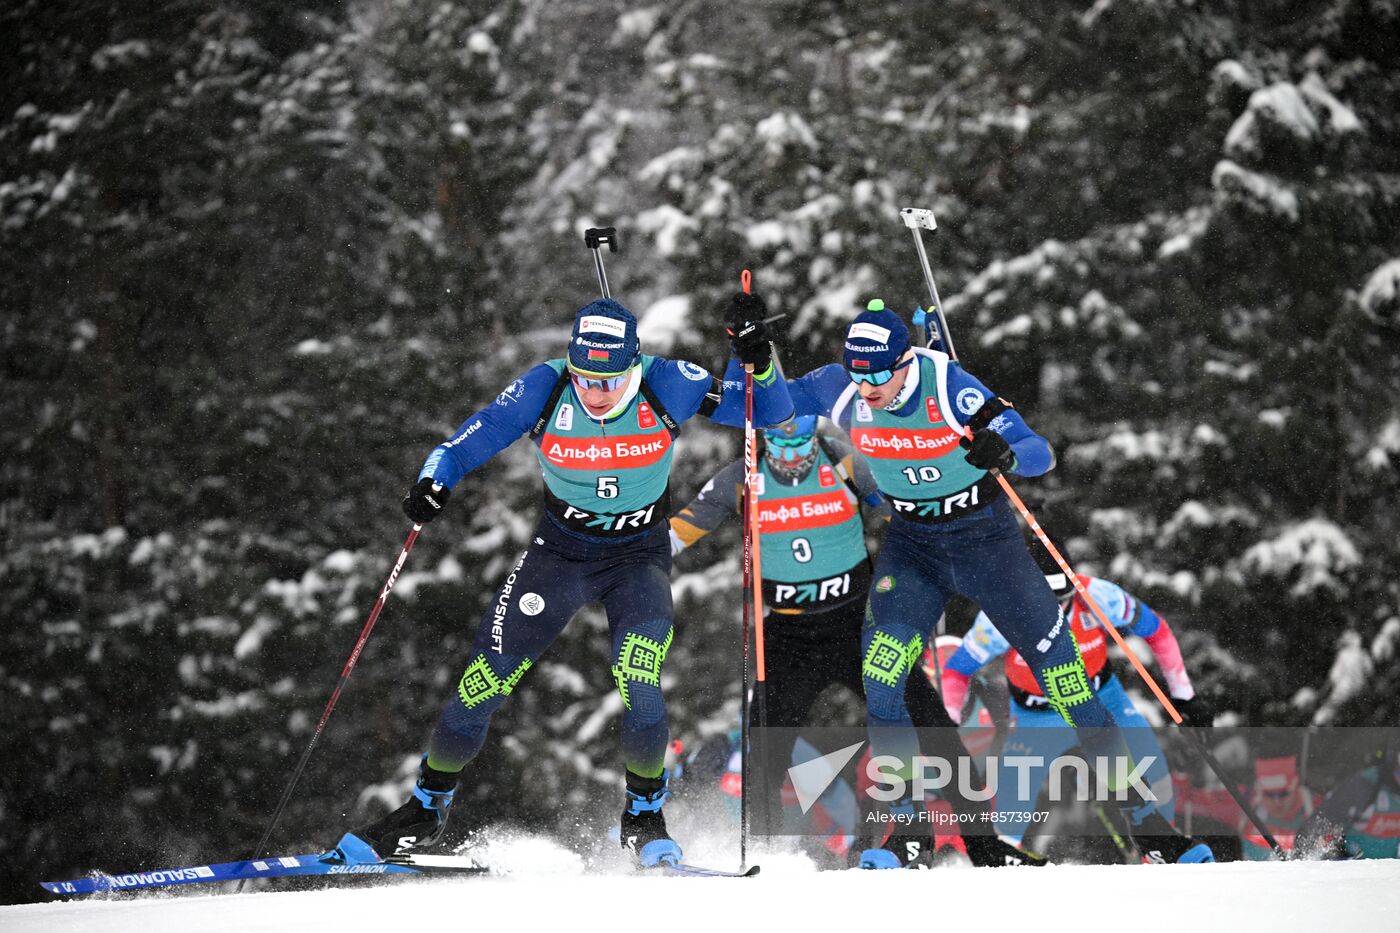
[{"x": 603, "y": 422}]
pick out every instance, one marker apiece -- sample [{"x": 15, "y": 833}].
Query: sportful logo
[
  {"x": 593, "y": 324},
  {"x": 470, "y": 430},
  {"x": 1044, "y": 644}
]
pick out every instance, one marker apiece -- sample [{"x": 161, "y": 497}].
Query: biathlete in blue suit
[
  {"x": 816, "y": 582},
  {"x": 603, "y": 421},
  {"x": 906, "y": 410}
]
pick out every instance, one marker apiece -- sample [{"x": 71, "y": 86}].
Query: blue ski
[{"x": 327, "y": 863}]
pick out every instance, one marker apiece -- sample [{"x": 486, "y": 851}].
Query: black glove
[
  {"x": 1195, "y": 712},
  {"x": 988, "y": 450},
  {"x": 743, "y": 319},
  {"x": 425, "y": 500}
]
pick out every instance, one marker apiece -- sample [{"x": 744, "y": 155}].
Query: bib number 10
[
  {"x": 924, "y": 474},
  {"x": 607, "y": 487}
]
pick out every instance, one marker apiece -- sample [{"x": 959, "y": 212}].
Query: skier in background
[
  {"x": 1037, "y": 729},
  {"x": 906, "y": 410},
  {"x": 1281, "y": 802},
  {"x": 816, "y": 580},
  {"x": 1360, "y": 817},
  {"x": 603, "y": 420}
]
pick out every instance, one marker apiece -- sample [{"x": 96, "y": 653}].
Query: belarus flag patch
[
  {"x": 597, "y": 354},
  {"x": 860, "y": 364}
]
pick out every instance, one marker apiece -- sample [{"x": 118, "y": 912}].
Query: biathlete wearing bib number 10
[
  {"x": 603, "y": 420},
  {"x": 951, "y": 532}
]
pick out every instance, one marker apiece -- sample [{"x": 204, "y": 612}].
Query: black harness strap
[
  {"x": 555, "y": 394},
  {"x": 839, "y": 468},
  {"x": 660, "y": 410}
]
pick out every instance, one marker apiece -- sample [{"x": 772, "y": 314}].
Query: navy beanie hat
[
  {"x": 604, "y": 340},
  {"x": 876, "y": 339}
]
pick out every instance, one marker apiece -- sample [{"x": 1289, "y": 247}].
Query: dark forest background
[{"x": 256, "y": 258}]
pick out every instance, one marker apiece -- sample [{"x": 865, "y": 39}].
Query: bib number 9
[
  {"x": 607, "y": 487},
  {"x": 801, "y": 550}
]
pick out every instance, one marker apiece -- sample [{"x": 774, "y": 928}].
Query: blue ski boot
[
  {"x": 902, "y": 849},
  {"x": 417, "y": 824},
  {"x": 643, "y": 826},
  {"x": 1161, "y": 843}
]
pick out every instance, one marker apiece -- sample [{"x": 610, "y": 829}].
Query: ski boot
[
  {"x": 644, "y": 826},
  {"x": 1161, "y": 843},
  {"x": 901, "y": 850},
  {"x": 417, "y": 824},
  {"x": 994, "y": 852}
]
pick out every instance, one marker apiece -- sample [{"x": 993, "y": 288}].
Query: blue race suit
[
  {"x": 950, "y": 533},
  {"x": 603, "y": 538}
]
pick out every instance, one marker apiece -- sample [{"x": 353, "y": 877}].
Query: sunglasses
[
  {"x": 880, "y": 378},
  {"x": 606, "y": 383},
  {"x": 790, "y": 448},
  {"x": 801, "y": 440},
  {"x": 1275, "y": 794}
]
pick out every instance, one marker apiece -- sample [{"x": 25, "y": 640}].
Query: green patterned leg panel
[
  {"x": 1067, "y": 685},
  {"x": 640, "y": 658},
  {"x": 480, "y": 683},
  {"x": 888, "y": 659}
]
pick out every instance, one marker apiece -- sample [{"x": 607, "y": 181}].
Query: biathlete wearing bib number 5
[
  {"x": 951, "y": 532},
  {"x": 603, "y": 421}
]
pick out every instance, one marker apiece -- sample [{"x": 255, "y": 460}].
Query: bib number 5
[{"x": 607, "y": 487}]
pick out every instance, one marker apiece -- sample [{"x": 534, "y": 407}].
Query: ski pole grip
[
  {"x": 918, "y": 217},
  {"x": 746, "y": 280},
  {"x": 595, "y": 237}
]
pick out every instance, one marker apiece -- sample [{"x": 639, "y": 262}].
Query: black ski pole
[{"x": 260, "y": 848}]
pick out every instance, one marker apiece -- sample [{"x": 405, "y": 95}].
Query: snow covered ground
[{"x": 1351, "y": 896}]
